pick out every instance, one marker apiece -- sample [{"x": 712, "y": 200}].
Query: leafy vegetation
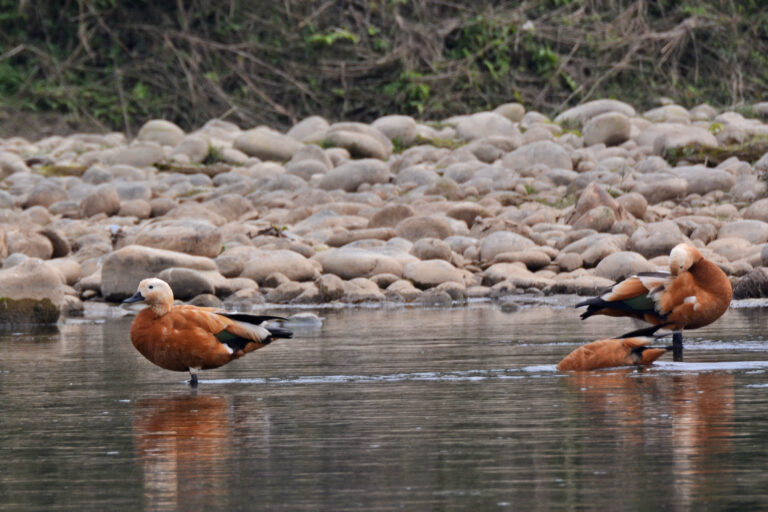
[{"x": 115, "y": 64}]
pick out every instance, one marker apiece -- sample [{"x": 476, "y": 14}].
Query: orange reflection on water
[
  {"x": 183, "y": 443},
  {"x": 692, "y": 414},
  {"x": 698, "y": 405}
]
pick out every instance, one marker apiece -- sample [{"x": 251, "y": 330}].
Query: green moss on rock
[
  {"x": 749, "y": 151},
  {"x": 27, "y": 311}
]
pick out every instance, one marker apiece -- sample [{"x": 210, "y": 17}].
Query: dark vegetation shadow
[{"x": 113, "y": 65}]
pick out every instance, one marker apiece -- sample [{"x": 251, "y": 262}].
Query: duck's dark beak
[{"x": 137, "y": 297}]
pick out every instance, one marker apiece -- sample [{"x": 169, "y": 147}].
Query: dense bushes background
[{"x": 117, "y": 63}]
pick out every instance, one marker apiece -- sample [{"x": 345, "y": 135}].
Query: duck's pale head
[
  {"x": 156, "y": 293},
  {"x": 682, "y": 258}
]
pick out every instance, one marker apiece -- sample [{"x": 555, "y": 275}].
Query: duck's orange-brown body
[
  {"x": 611, "y": 352},
  {"x": 695, "y": 293},
  {"x": 185, "y": 338},
  {"x": 189, "y": 338}
]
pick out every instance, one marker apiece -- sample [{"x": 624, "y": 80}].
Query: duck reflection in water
[
  {"x": 183, "y": 443},
  {"x": 689, "y": 416}
]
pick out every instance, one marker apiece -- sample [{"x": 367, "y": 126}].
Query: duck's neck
[
  {"x": 162, "y": 308},
  {"x": 711, "y": 278}
]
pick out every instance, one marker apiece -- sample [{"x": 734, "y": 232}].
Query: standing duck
[
  {"x": 693, "y": 294},
  {"x": 190, "y": 338}
]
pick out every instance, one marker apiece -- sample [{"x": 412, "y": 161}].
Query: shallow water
[{"x": 388, "y": 409}]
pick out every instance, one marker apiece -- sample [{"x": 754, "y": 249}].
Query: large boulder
[
  {"x": 194, "y": 148},
  {"x": 734, "y": 249},
  {"x": 534, "y": 259},
  {"x": 757, "y": 210},
  {"x": 310, "y": 128},
  {"x": 431, "y": 249},
  {"x": 702, "y": 180},
  {"x": 102, "y": 200},
  {"x": 190, "y": 210},
  {"x": 656, "y": 238},
  {"x": 391, "y": 216},
  {"x": 353, "y": 262},
  {"x": 349, "y": 176},
  {"x": 687, "y": 136},
  {"x": 512, "y": 111},
  {"x": 138, "y": 154},
  {"x": 596, "y": 209},
  {"x": 28, "y": 242},
  {"x": 416, "y": 228},
  {"x": 360, "y": 140},
  {"x": 486, "y": 124},
  {"x": 468, "y": 212},
  {"x": 267, "y": 144},
  {"x": 187, "y": 283},
  {"x": 542, "y": 152},
  {"x": 620, "y": 265},
  {"x": 610, "y": 128},
  {"x": 342, "y": 238},
  {"x": 11, "y": 163},
  {"x": 397, "y": 128},
  {"x": 668, "y": 114},
  {"x": 516, "y": 274},
  {"x": 753, "y": 285},
  {"x": 195, "y": 237},
  {"x": 633, "y": 203},
  {"x": 312, "y": 153},
  {"x": 125, "y": 268},
  {"x": 31, "y": 293},
  {"x": 754, "y": 231},
  {"x": 45, "y": 194},
  {"x": 429, "y": 273},
  {"x": 658, "y": 187},
  {"x": 599, "y": 218},
  {"x": 330, "y": 286},
  {"x": 289, "y": 263},
  {"x": 161, "y": 131},
  {"x": 503, "y": 241},
  {"x": 306, "y": 168},
  {"x": 582, "y": 113}
]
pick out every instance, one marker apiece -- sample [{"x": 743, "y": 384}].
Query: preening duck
[
  {"x": 190, "y": 338},
  {"x": 694, "y": 293},
  {"x": 612, "y": 352}
]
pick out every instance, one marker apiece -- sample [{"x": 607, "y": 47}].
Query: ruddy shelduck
[
  {"x": 611, "y": 352},
  {"x": 694, "y": 293},
  {"x": 190, "y": 338}
]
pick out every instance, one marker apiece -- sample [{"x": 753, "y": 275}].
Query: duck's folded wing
[
  {"x": 635, "y": 296},
  {"x": 681, "y": 298},
  {"x": 235, "y": 335}
]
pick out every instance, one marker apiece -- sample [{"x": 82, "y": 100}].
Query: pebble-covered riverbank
[{"x": 483, "y": 205}]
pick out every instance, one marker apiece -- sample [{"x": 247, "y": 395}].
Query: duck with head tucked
[
  {"x": 694, "y": 293},
  {"x": 612, "y": 352},
  {"x": 191, "y": 338}
]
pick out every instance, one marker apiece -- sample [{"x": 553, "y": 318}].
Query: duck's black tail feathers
[
  {"x": 276, "y": 332},
  {"x": 594, "y": 305},
  {"x": 279, "y": 332},
  {"x": 251, "y": 319}
]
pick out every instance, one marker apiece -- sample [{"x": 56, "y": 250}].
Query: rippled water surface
[{"x": 388, "y": 409}]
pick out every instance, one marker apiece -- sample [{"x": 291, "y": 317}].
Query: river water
[{"x": 388, "y": 409}]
